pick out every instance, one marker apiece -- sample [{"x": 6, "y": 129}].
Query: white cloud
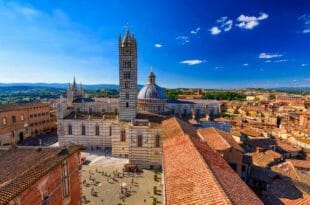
[
  {"x": 249, "y": 22},
  {"x": 306, "y": 23},
  {"x": 269, "y": 55},
  {"x": 281, "y": 61},
  {"x": 223, "y": 24},
  {"x": 218, "y": 67},
  {"x": 215, "y": 30},
  {"x": 267, "y": 61},
  {"x": 192, "y": 62},
  {"x": 245, "y": 64},
  {"x": 183, "y": 39},
  {"x": 306, "y": 30},
  {"x": 304, "y": 65},
  {"x": 157, "y": 45},
  {"x": 195, "y": 31}
]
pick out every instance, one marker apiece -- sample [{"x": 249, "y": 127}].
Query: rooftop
[
  {"x": 85, "y": 116},
  {"x": 195, "y": 173},
  {"x": 22, "y": 166},
  {"x": 217, "y": 139}
]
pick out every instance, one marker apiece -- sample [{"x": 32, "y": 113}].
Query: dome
[{"x": 151, "y": 91}]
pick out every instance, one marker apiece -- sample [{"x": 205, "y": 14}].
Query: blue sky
[{"x": 209, "y": 44}]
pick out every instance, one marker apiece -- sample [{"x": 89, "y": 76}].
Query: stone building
[
  {"x": 129, "y": 126},
  {"x": 40, "y": 175},
  {"x": 19, "y": 121}
]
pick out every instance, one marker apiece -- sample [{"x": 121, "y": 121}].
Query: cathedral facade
[{"x": 129, "y": 126}]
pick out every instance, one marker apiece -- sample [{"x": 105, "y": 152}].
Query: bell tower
[{"x": 127, "y": 77}]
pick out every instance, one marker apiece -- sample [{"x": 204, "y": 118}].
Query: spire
[
  {"x": 127, "y": 36},
  {"x": 74, "y": 83},
  {"x": 152, "y": 77}
]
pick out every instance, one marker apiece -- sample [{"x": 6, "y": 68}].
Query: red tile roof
[
  {"x": 22, "y": 167},
  {"x": 286, "y": 169},
  {"x": 195, "y": 173},
  {"x": 217, "y": 139}
]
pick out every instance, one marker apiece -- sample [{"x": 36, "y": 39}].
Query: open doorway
[{"x": 21, "y": 136}]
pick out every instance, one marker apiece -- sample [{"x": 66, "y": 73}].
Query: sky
[{"x": 199, "y": 44}]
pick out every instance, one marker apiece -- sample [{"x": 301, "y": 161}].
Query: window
[
  {"x": 110, "y": 130},
  {"x": 70, "y": 130},
  {"x": 90, "y": 110},
  {"x": 31, "y": 116},
  {"x": 127, "y": 96},
  {"x": 22, "y": 118},
  {"x": 14, "y": 119},
  {"x": 97, "y": 130},
  {"x": 140, "y": 138},
  {"x": 127, "y": 85},
  {"x": 157, "y": 141},
  {"x": 65, "y": 179},
  {"x": 123, "y": 135},
  {"x": 103, "y": 110},
  {"x": 127, "y": 104},
  {"x": 127, "y": 64},
  {"x": 83, "y": 130},
  {"x": 4, "y": 121},
  {"x": 127, "y": 75}
]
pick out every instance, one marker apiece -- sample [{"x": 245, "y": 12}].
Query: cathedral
[{"x": 129, "y": 126}]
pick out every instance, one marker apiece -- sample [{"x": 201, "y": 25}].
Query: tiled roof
[
  {"x": 21, "y": 167},
  {"x": 196, "y": 174},
  {"x": 264, "y": 159},
  {"x": 300, "y": 163},
  {"x": 217, "y": 139},
  {"x": 286, "y": 169},
  {"x": 251, "y": 132},
  {"x": 284, "y": 191},
  {"x": 8, "y": 107}
]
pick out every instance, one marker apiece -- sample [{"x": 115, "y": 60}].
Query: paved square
[{"x": 100, "y": 187}]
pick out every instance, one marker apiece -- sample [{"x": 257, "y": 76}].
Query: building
[
  {"x": 128, "y": 88},
  {"x": 37, "y": 175},
  {"x": 130, "y": 126},
  {"x": 19, "y": 121}
]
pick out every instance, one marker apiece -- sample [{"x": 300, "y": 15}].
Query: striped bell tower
[{"x": 127, "y": 77}]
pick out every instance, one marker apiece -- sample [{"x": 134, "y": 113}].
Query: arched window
[
  {"x": 22, "y": 118},
  {"x": 14, "y": 119},
  {"x": 140, "y": 140},
  {"x": 127, "y": 104},
  {"x": 110, "y": 130},
  {"x": 97, "y": 130},
  {"x": 157, "y": 141},
  {"x": 123, "y": 135},
  {"x": 4, "y": 121},
  {"x": 127, "y": 85},
  {"x": 83, "y": 130},
  {"x": 127, "y": 96},
  {"x": 70, "y": 130}
]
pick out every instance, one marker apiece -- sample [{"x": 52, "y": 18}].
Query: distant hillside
[{"x": 62, "y": 85}]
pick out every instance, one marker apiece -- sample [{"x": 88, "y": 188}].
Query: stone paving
[{"x": 99, "y": 187}]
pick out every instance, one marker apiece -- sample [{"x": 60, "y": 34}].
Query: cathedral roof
[{"x": 151, "y": 91}]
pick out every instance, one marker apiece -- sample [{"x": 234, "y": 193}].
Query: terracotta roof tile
[
  {"x": 195, "y": 173},
  {"x": 217, "y": 139},
  {"x": 22, "y": 167}
]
